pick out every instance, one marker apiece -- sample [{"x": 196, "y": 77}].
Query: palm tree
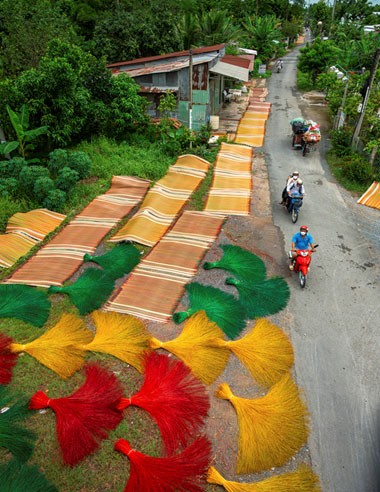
[
  {"x": 262, "y": 33},
  {"x": 188, "y": 30},
  {"x": 217, "y": 27}
]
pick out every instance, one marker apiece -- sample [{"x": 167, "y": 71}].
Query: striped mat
[
  {"x": 231, "y": 187},
  {"x": 25, "y": 230},
  {"x": 155, "y": 286},
  {"x": 251, "y": 128},
  {"x": 371, "y": 197},
  {"x": 164, "y": 201},
  {"x": 63, "y": 255}
]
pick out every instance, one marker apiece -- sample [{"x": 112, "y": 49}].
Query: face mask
[
  {"x": 303, "y": 233},
  {"x": 295, "y": 178}
]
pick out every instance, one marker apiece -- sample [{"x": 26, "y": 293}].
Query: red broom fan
[
  {"x": 175, "y": 399},
  {"x": 7, "y": 359},
  {"x": 186, "y": 471},
  {"x": 85, "y": 417}
]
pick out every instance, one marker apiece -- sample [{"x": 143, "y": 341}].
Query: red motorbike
[{"x": 301, "y": 264}]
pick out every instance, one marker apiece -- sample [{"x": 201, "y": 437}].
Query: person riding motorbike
[
  {"x": 290, "y": 179},
  {"x": 294, "y": 188},
  {"x": 279, "y": 65},
  {"x": 302, "y": 240}
]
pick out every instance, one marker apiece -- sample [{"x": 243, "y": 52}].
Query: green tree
[
  {"x": 262, "y": 34},
  {"x": 188, "y": 31},
  {"x": 315, "y": 58},
  {"x": 216, "y": 27}
]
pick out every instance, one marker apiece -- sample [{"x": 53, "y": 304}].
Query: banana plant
[{"x": 20, "y": 123}]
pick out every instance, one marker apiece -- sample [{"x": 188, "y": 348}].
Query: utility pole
[
  {"x": 355, "y": 136},
  {"x": 332, "y": 18}
]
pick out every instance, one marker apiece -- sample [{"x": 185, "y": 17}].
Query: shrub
[
  {"x": 55, "y": 200},
  {"x": 9, "y": 207},
  {"x": 42, "y": 187},
  {"x": 304, "y": 81},
  {"x": 11, "y": 168},
  {"x": 78, "y": 161},
  {"x": 66, "y": 179},
  {"x": 356, "y": 168},
  {"x": 8, "y": 187},
  {"x": 29, "y": 175},
  {"x": 341, "y": 142}
]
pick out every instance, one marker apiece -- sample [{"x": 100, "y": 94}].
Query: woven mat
[
  {"x": 231, "y": 187},
  {"x": 25, "y": 230},
  {"x": 371, "y": 198},
  {"x": 155, "y": 286},
  {"x": 164, "y": 202},
  {"x": 63, "y": 255},
  {"x": 251, "y": 128}
]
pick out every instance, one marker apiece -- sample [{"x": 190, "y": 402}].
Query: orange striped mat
[
  {"x": 63, "y": 255},
  {"x": 25, "y": 230},
  {"x": 164, "y": 201},
  {"x": 251, "y": 128},
  {"x": 231, "y": 187},
  {"x": 155, "y": 286},
  {"x": 371, "y": 197}
]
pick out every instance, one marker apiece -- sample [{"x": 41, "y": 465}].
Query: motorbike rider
[
  {"x": 300, "y": 241},
  {"x": 279, "y": 65},
  {"x": 292, "y": 178},
  {"x": 295, "y": 187}
]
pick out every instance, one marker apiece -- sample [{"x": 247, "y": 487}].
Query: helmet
[
  {"x": 304, "y": 228},
  {"x": 299, "y": 181},
  {"x": 295, "y": 173}
]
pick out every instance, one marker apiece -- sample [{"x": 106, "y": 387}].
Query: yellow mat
[
  {"x": 164, "y": 201},
  {"x": 231, "y": 188},
  {"x": 25, "y": 230},
  {"x": 371, "y": 197}
]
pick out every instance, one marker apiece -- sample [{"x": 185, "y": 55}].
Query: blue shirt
[{"x": 302, "y": 242}]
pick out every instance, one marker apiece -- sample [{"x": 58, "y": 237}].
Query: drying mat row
[
  {"x": 156, "y": 285},
  {"x": 231, "y": 187},
  {"x": 25, "y": 230},
  {"x": 63, "y": 255},
  {"x": 164, "y": 202}
]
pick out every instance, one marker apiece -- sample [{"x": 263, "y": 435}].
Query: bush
[
  {"x": 42, "y": 187},
  {"x": 356, "y": 168},
  {"x": 29, "y": 175},
  {"x": 341, "y": 142},
  {"x": 66, "y": 179},
  {"x": 8, "y": 187},
  {"x": 55, "y": 200},
  {"x": 77, "y": 161},
  {"x": 9, "y": 207},
  {"x": 11, "y": 168},
  {"x": 304, "y": 81}
]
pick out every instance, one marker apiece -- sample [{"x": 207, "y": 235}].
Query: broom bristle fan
[
  {"x": 265, "y": 350},
  {"x": 196, "y": 347},
  {"x": 59, "y": 348},
  {"x": 7, "y": 359},
  {"x": 262, "y": 298},
  {"x": 118, "y": 261},
  {"x": 13, "y": 436},
  {"x": 240, "y": 262},
  {"x": 89, "y": 292},
  {"x": 271, "y": 428},
  {"x": 85, "y": 417},
  {"x": 303, "y": 479},
  {"x": 222, "y": 308},
  {"x": 175, "y": 399},
  {"x": 120, "y": 335},
  {"x": 25, "y": 303},
  {"x": 21, "y": 477},
  {"x": 184, "y": 471}
]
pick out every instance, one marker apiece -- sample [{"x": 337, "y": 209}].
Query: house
[{"x": 211, "y": 72}]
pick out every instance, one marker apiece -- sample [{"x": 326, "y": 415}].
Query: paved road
[{"x": 336, "y": 318}]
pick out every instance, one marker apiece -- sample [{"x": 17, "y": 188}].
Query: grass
[
  {"x": 105, "y": 470},
  {"x": 336, "y": 166}
]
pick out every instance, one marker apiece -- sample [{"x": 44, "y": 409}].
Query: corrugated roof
[
  {"x": 236, "y": 60},
  {"x": 233, "y": 70},
  {"x": 195, "y": 51}
]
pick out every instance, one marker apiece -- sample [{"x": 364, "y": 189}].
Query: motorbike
[
  {"x": 301, "y": 264},
  {"x": 309, "y": 143},
  {"x": 294, "y": 205}
]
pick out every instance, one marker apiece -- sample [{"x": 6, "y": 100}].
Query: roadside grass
[
  {"x": 336, "y": 164},
  {"x": 304, "y": 82}
]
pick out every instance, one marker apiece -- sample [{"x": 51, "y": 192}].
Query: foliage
[
  {"x": 261, "y": 34},
  {"x": 12, "y": 167},
  {"x": 187, "y": 30},
  {"x": 357, "y": 168},
  {"x": 304, "y": 82},
  {"x": 42, "y": 187},
  {"x": 341, "y": 142},
  {"x": 66, "y": 179},
  {"x": 20, "y": 123},
  {"x": 55, "y": 200},
  {"x": 77, "y": 161},
  {"x": 8, "y": 187},
  {"x": 29, "y": 175},
  {"x": 316, "y": 57},
  {"x": 168, "y": 104},
  {"x": 215, "y": 27}
]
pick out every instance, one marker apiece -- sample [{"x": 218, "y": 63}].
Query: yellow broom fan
[
  {"x": 59, "y": 348},
  {"x": 197, "y": 348},
  {"x": 120, "y": 335},
  {"x": 303, "y": 479},
  {"x": 271, "y": 428},
  {"x": 265, "y": 350}
]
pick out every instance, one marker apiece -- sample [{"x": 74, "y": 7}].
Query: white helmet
[{"x": 299, "y": 181}]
